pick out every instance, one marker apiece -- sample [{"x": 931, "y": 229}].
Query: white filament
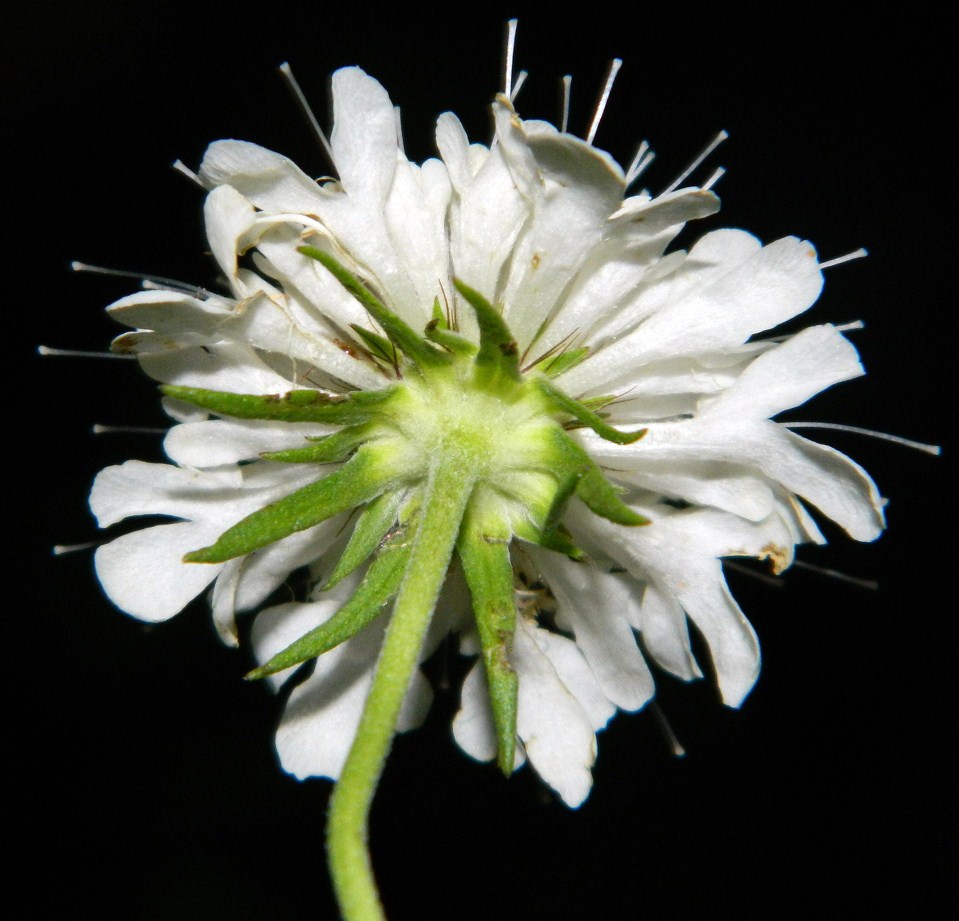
[
  {"x": 614, "y": 67},
  {"x": 644, "y": 156},
  {"x": 710, "y": 147},
  {"x": 716, "y": 176},
  {"x": 869, "y": 584},
  {"x": 99, "y": 429},
  {"x": 294, "y": 87},
  {"x": 46, "y": 351},
  {"x": 839, "y": 260},
  {"x": 567, "y": 86},
  {"x": 148, "y": 281},
  {"x": 61, "y": 549},
  {"x": 518, "y": 85},
  {"x": 181, "y": 167},
  {"x": 856, "y": 430},
  {"x": 508, "y": 67}
]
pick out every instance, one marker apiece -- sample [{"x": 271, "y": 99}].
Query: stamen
[
  {"x": 856, "y": 430},
  {"x": 294, "y": 87},
  {"x": 153, "y": 282},
  {"x": 868, "y": 584},
  {"x": 716, "y": 176},
  {"x": 839, "y": 260},
  {"x": 63, "y": 549},
  {"x": 399, "y": 130},
  {"x": 46, "y": 350},
  {"x": 181, "y": 167},
  {"x": 99, "y": 429},
  {"x": 614, "y": 67},
  {"x": 644, "y": 156},
  {"x": 564, "y": 120},
  {"x": 520, "y": 80},
  {"x": 660, "y": 717},
  {"x": 710, "y": 147},
  {"x": 508, "y": 67}
]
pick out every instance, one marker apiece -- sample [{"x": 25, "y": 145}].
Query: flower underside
[{"x": 442, "y": 422}]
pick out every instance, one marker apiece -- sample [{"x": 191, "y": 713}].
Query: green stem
[{"x": 447, "y": 492}]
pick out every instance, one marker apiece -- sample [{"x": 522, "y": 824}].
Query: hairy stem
[{"x": 447, "y": 492}]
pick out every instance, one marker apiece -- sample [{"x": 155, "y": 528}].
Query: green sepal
[
  {"x": 326, "y": 450},
  {"x": 362, "y": 478},
  {"x": 405, "y": 337},
  {"x": 498, "y": 353},
  {"x": 452, "y": 342},
  {"x": 596, "y": 403},
  {"x": 378, "y": 586},
  {"x": 295, "y": 406},
  {"x": 378, "y": 346},
  {"x": 566, "y": 404},
  {"x": 573, "y": 464},
  {"x": 554, "y": 365},
  {"x": 439, "y": 317},
  {"x": 556, "y": 538},
  {"x": 372, "y": 526},
  {"x": 489, "y": 574}
]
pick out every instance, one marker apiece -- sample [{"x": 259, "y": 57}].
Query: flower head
[{"x": 476, "y": 395}]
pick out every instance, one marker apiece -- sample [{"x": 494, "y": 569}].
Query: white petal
[
  {"x": 277, "y": 627},
  {"x": 768, "y": 288},
  {"x": 229, "y": 217},
  {"x": 364, "y": 134},
  {"x": 416, "y": 222},
  {"x": 560, "y": 705},
  {"x": 268, "y": 179},
  {"x": 666, "y": 634},
  {"x": 473, "y": 724},
  {"x": 170, "y": 312},
  {"x": 791, "y": 373},
  {"x": 679, "y": 554},
  {"x": 227, "y": 441},
  {"x": 594, "y": 605},
  {"x": 707, "y": 483},
  {"x": 226, "y": 366},
  {"x": 574, "y": 188},
  {"x": 143, "y": 573},
  {"x": 139, "y": 488}
]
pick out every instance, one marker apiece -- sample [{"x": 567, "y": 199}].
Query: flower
[{"x": 480, "y": 386}]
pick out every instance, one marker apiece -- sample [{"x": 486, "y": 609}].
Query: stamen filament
[
  {"x": 614, "y": 67},
  {"x": 564, "y": 120},
  {"x": 857, "y": 430},
  {"x": 709, "y": 148},
  {"x": 287, "y": 73},
  {"x": 48, "y": 351},
  {"x": 447, "y": 493}
]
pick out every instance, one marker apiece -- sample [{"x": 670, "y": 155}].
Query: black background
[{"x": 146, "y": 786}]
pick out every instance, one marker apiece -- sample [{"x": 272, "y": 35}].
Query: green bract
[{"x": 469, "y": 417}]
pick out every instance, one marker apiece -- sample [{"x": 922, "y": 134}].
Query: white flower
[{"x": 592, "y": 315}]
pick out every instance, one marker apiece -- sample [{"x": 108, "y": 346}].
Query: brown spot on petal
[{"x": 534, "y": 262}]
